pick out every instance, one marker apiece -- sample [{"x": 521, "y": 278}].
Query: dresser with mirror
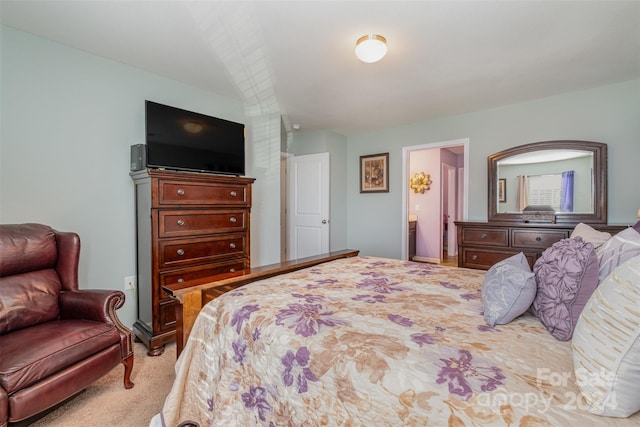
[{"x": 538, "y": 193}]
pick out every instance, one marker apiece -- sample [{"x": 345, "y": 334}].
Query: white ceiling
[{"x": 297, "y": 58}]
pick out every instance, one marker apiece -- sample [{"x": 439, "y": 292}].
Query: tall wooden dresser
[{"x": 190, "y": 227}]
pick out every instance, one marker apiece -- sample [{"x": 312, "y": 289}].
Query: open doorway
[{"x": 436, "y": 209}]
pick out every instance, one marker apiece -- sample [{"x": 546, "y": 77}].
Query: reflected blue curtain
[{"x": 566, "y": 192}]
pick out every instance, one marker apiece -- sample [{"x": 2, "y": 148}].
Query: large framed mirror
[{"x": 568, "y": 177}]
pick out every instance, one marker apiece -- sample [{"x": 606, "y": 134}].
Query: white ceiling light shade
[{"x": 371, "y": 48}]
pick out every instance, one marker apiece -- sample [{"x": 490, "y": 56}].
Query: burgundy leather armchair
[{"x": 55, "y": 339}]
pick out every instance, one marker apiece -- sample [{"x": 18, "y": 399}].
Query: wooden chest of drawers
[
  {"x": 190, "y": 227},
  {"x": 482, "y": 244}
]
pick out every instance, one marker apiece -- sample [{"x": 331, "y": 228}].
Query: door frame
[
  {"x": 452, "y": 206},
  {"x": 284, "y": 203},
  {"x": 404, "y": 226}
]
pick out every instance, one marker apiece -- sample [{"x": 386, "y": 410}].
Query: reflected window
[{"x": 545, "y": 190}]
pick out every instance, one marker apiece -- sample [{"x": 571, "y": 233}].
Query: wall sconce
[{"x": 420, "y": 182}]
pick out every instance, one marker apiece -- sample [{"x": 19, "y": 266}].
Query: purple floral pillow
[{"x": 566, "y": 276}]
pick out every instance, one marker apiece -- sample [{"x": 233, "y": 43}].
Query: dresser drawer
[
  {"x": 173, "y": 192},
  {"x": 484, "y": 259},
  {"x": 201, "y": 274},
  {"x": 197, "y": 222},
  {"x": 174, "y": 253},
  {"x": 485, "y": 236},
  {"x": 539, "y": 239}
]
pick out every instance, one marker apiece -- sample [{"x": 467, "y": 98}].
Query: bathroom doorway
[{"x": 437, "y": 208}]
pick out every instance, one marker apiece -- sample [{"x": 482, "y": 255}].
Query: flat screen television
[{"x": 184, "y": 140}]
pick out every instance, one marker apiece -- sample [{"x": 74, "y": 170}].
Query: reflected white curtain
[{"x": 523, "y": 191}]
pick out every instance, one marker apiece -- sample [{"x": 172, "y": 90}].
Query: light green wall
[
  {"x": 609, "y": 114},
  {"x": 67, "y": 121}
]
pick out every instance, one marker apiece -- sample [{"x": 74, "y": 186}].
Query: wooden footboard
[{"x": 190, "y": 297}]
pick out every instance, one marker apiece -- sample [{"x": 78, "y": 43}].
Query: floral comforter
[{"x": 371, "y": 342}]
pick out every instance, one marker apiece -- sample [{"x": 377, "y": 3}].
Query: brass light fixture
[
  {"x": 371, "y": 48},
  {"x": 420, "y": 182}
]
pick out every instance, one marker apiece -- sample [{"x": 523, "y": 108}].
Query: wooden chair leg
[{"x": 128, "y": 367}]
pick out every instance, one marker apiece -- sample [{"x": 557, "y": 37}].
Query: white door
[{"x": 308, "y": 207}]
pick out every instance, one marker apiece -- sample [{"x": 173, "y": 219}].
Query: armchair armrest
[{"x": 100, "y": 306}]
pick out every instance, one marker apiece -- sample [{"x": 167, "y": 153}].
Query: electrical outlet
[{"x": 130, "y": 283}]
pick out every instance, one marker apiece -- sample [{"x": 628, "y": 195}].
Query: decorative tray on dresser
[
  {"x": 191, "y": 227},
  {"x": 482, "y": 244}
]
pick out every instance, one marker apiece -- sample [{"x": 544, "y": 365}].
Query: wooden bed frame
[{"x": 190, "y": 297}]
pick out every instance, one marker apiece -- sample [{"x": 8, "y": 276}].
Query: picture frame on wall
[
  {"x": 374, "y": 173},
  {"x": 502, "y": 190}
]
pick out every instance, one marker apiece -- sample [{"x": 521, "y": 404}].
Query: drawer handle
[
  {"x": 233, "y": 219},
  {"x": 180, "y": 192},
  {"x": 232, "y": 245},
  {"x": 232, "y": 270},
  {"x": 180, "y": 222},
  {"x": 234, "y": 194},
  {"x": 180, "y": 252},
  {"x": 483, "y": 236},
  {"x": 538, "y": 239},
  {"x": 180, "y": 280},
  {"x": 474, "y": 257}
]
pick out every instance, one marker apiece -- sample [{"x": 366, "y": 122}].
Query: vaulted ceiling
[{"x": 296, "y": 58}]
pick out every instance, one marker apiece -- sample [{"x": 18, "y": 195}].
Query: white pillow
[
  {"x": 606, "y": 344},
  {"x": 618, "y": 249},
  {"x": 590, "y": 234}
]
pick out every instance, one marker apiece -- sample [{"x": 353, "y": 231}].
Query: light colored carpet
[{"x": 108, "y": 403}]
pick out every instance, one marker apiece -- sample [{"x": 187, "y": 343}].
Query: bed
[{"x": 367, "y": 341}]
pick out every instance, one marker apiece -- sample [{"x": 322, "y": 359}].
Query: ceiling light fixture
[{"x": 371, "y": 48}]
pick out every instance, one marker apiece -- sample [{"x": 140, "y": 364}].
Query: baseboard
[{"x": 425, "y": 259}]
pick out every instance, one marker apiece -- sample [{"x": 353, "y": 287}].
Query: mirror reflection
[
  {"x": 560, "y": 179},
  {"x": 567, "y": 179}
]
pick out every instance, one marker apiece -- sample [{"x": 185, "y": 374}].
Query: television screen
[{"x": 184, "y": 140}]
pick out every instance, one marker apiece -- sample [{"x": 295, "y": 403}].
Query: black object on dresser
[{"x": 190, "y": 227}]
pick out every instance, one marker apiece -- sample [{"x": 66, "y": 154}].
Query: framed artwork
[
  {"x": 374, "y": 173},
  {"x": 502, "y": 190}
]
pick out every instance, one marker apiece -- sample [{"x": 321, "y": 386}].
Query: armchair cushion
[
  {"x": 60, "y": 344},
  {"x": 29, "y": 299}
]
